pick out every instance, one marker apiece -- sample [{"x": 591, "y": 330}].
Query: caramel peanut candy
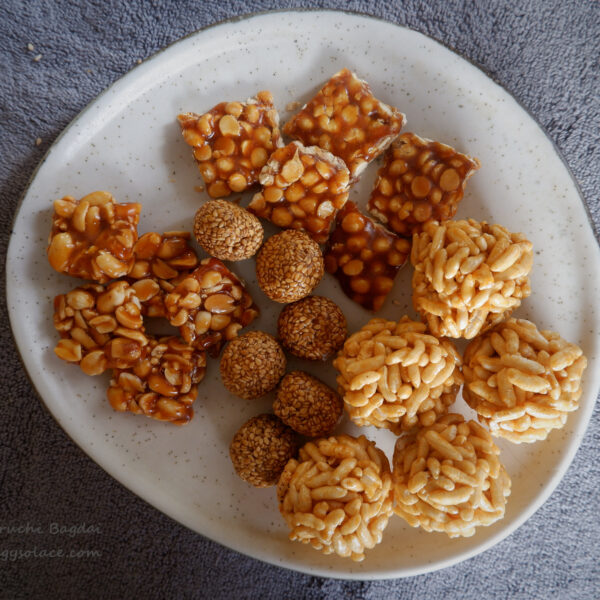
[
  {"x": 93, "y": 238},
  {"x": 448, "y": 478},
  {"x": 364, "y": 257},
  {"x": 101, "y": 327},
  {"x": 420, "y": 180},
  {"x": 521, "y": 381},
  {"x": 159, "y": 261},
  {"x": 303, "y": 188},
  {"x": 162, "y": 384},
  {"x": 468, "y": 276},
  {"x": 210, "y": 306},
  {"x": 232, "y": 142},
  {"x": 345, "y": 119}
]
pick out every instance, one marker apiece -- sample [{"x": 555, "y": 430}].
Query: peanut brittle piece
[
  {"x": 232, "y": 142},
  {"x": 345, "y": 119},
  {"x": 93, "y": 238},
  {"x": 101, "y": 327},
  {"x": 163, "y": 382},
  {"x": 364, "y": 257},
  {"x": 210, "y": 306},
  {"x": 303, "y": 188},
  {"x": 420, "y": 180}
]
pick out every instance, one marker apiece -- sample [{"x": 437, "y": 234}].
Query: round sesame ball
[
  {"x": 252, "y": 365},
  {"x": 261, "y": 448},
  {"x": 313, "y": 328},
  {"x": 226, "y": 231},
  {"x": 307, "y": 405},
  {"x": 289, "y": 266}
]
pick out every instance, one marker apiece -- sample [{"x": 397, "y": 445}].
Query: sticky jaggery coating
[
  {"x": 289, "y": 266},
  {"x": 307, "y": 405},
  {"x": 313, "y": 328},
  {"x": 261, "y": 448},
  {"x": 252, "y": 365},
  {"x": 227, "y": 231},
  {"x": 521, "y": 381}
]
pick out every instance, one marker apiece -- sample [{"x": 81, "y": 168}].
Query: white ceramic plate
[{"x": 129, "y": 143}]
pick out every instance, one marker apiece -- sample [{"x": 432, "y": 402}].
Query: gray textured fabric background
[{"x": 545, "y": 52}]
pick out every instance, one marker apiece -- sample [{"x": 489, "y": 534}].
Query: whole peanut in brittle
[
  {"x": 345, "y": 119},
  {"x": 210, "y": 306},
  {"x": 93, "y": 238},
  {"x": 101, "y": 327},
  {"x": 303, "y": 188},
  {"x": 162, "y": 384},
  {"x": 420, "y": 180},
  {"x": 364, "y": 257},
  {"x": 232, "y": 142}
]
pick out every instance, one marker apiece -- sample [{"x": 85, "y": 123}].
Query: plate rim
[{"x": 522, "y": 517}]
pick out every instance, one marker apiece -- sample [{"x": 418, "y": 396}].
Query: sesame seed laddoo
[
  {"x": 227, "y": 231},
  {"x": 261, "y": 448},
  {"x": 307, "y": 405},
  {"x": 313, "y": 328},
  {"x": 289, "y": 266},
  {"x": 252, "y": 365}
]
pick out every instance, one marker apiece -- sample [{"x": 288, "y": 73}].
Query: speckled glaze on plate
[{"x": 128, "y": 142}]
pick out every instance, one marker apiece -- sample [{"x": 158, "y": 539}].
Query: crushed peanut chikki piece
[
  {"x": 447, "y": 477},
  {"x": 364, "y": 257},
  {"x": 396, "y": 375},
  {"x": 420, "y": 180},
  {"x": 303, "y": 188},
  {"x": 93, "y": 238},
  {"x": 159, "y": 261},
  {"x": 232, "y": 142},
  {"x": 345, "y": 119},
  {"x": 468, "y": 276},
  {"x": 337, "y": 496},
  {"x": 210, "y": 306},
  {"x": 522, "y": 382},
  {"x": 101, "y": 327},
  {"x": 162, "y": 383}
]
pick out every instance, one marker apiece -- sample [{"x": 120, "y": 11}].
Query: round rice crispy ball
[
  {"x": 313, "y": 328},
  {"x": 227, "y": 231},
  {"x": 337, "y": 495},
  {"x": 252, "y": 365},
  {"x": 261, "y": 448},
  {"x": 447, "y": 477},
  {"x": 521, "y": 381},
  {"x": 307, "y": 405},
  {"x": 397, "y": 376},
  {"x": 289, "y": 266},
  {"x": 468, "y": 276}
]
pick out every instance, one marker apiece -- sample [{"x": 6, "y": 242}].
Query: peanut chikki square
[
  {"x": 93, "y": 238},
  {"x": 420, "y": 180},
  {"x": 345, "y": 119},
  {"x": 210, "y": 306},
  {"x": 232, "y": 142},
  {"x": 364, "y": 256},
  {"x": 303, "y": 188}
]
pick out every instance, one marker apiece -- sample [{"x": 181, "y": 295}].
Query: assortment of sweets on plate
[{"x": 335, "y": 492}]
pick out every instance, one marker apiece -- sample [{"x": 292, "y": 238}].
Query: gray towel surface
[{"x": 545, "y": 52}]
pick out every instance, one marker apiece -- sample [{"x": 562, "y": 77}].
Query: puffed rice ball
[
  {"x": 289, "y": 266},
  {"x": 337, "y": 495},
  {"x": 521, "y": 381},
  {"x": 261, "y": 448},
  {"x": 307, "y": 405},
  {"x": 396, "y": 375},
  {"x": 448, "y": 478},
  {"x": 313, "y": 328},
  {"x": 252, "y": 365},
  {"x": 227, "y": 231},
  {"x": 468, "y": 276}
]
